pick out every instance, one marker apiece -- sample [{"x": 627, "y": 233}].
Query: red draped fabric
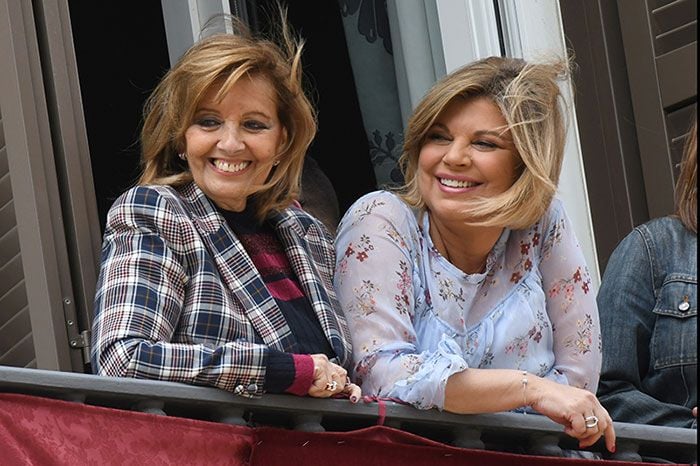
[
  {"x": 383, "y": 446},
  {"x": 44, "y": 431}
]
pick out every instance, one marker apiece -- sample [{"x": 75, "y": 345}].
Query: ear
[
  {"x": 181, "y": 145},
  {"x": 285, "y": 137},
  {"x": 519, "y": 164},
  {"x": 282, "y": 145}
]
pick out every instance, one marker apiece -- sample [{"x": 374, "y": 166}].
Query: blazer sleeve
[{"x": 140, "y": 294}]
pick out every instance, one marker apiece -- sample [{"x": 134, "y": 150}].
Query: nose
[
  {"x": 230, "y": 139},
  {"x": 457, "y": 154}
]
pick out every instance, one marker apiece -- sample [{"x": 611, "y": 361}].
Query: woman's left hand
[{"x": 578, "y": 410}]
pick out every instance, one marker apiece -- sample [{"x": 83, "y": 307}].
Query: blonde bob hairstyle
[
  {"x": 687, "y": 183},
  {"x": 219, "y": 61},
  {"x": 530, "y": 100}
]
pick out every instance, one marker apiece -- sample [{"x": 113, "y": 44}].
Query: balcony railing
[{"x": 500, "y": 431}]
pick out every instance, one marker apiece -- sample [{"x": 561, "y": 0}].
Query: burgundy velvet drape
[{"x": 43, "y": 431}]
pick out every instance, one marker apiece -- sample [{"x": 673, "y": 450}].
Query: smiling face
[
  {"x": 231, "y": 145},
  {"x": 466, "y": 154}
]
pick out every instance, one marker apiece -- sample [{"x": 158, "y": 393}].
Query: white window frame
[
  {"x": 532, "y": 30},
  {"x": 184, "y": 20}
]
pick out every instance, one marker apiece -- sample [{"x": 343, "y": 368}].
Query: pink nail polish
[
  {"x": 353, "y": 399},
  {"x": 612, "y": 450}
]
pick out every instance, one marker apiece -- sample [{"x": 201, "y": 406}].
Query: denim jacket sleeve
[{"x": 626, "y": 303}]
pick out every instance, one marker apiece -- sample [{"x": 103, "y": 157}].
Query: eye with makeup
[
  {"x": 484, "y": 145},
  {"x": 437, "y": 136},
  {"x": 255, "y": 125},
  {"x": 207, "y": 122}
]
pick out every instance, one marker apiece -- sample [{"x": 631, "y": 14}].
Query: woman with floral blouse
[{"x": 466, "y": 289}]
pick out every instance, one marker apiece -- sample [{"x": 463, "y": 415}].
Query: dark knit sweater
[{"x": 267, "y": 253}]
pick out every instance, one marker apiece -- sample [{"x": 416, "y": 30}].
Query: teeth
[
  {"x": 456, "y": 183},
  {"x": 230, "y": 167}
]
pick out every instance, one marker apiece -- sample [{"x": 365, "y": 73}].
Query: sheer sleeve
[
  {"x": 571, "y": 303},
  {"x": 378, "y": 284}
]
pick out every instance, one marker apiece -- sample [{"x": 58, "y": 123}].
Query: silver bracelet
[{"x": 523, "y": 382}]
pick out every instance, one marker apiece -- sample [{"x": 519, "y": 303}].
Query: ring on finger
[
  {"x": 331, "y": 386},
  {"x": 591, "y": 422}
]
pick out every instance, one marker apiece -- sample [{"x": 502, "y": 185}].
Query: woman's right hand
[
  {"x": 331, "y": 379},
  {"x": 579, "y": 411}
]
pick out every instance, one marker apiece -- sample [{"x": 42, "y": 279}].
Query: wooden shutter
[
  {"x": 660, "y": 43},
  {"x": 46, "y": 249},
  {"x": 16, "y": 345}
]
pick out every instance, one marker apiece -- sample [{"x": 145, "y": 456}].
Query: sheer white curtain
[
  {"x": 398, "y": 49},
  {"x": 369, "y": 42}
]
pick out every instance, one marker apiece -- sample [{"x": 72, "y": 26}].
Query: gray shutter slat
[{"x": 16, "y": 343}]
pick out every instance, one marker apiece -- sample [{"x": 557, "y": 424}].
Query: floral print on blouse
[{"x": 416, "y": 319}]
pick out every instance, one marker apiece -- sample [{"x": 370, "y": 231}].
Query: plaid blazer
[{"x": 179, "y": 299}]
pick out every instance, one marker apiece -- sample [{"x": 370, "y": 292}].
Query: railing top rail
[{"x": 125, "y": 393}]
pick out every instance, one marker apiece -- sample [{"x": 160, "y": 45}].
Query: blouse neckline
[{"x": 491, "y": 259}]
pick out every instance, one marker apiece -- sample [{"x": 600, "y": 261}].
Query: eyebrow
[
  {"x": 481, "y": 132},
  {"x": 247, "y": 114},
  {"x": 490, "y": 132}
]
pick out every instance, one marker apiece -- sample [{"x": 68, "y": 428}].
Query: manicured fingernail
[
  {"x": 353, "y": 399},
  {"x": 612, "y": 450}
]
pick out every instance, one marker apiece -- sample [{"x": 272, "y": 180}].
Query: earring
[
  {"x": 275, "y": 163},
  {"x": 182, "y": 156}
]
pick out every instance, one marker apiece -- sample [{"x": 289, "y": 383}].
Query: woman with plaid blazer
[{"x": 211, "y": 273}]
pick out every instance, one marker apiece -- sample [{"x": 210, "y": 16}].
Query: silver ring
[
  {"x": 591, "y": 422},
  {"x": 331, "y": 386}
]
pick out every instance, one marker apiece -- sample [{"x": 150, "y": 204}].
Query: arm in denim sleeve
[
  {"x": 374, "y": 280},
  {"x": 571, "y": 303},
  {"x": 626, "y": 300},
  {"x": 140, "y": 295}
]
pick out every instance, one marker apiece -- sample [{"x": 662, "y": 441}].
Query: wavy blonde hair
[
  {"x": 531, "y": 102},
  {"x": 687, "y": 184},
  {"x": 220, "y": 60}
]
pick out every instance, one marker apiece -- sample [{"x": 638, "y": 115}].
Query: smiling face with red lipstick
[
  {"x": 233, "y": 142},
  {"x": 467, "y": 153},
  {"x": 232, "y": 116}
]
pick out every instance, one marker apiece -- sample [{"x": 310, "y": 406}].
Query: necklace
[{"x": 446, "y": 254}]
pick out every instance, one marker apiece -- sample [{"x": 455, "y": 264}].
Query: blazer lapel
[
  {"x": 310, "y": 264},
  {"x": 238, "y": 272}
]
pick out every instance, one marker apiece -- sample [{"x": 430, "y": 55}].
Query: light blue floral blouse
[{"x": 416, "y": 319}]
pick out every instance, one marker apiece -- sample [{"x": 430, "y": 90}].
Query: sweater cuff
[
  {"x": 280, "y": 372},
  {"x": 303, "y": 375}
]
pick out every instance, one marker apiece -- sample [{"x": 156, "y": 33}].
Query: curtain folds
[
  {"x": 43, "y": 431},
  {"x": 368, "y": 38}
]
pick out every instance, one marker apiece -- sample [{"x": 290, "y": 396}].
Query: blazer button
[
  {"x": 238, "y": 390},
  {"x": 252, "y": 388}
]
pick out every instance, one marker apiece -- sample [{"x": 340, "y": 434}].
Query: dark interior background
[{"x": 121, "y": 53}]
